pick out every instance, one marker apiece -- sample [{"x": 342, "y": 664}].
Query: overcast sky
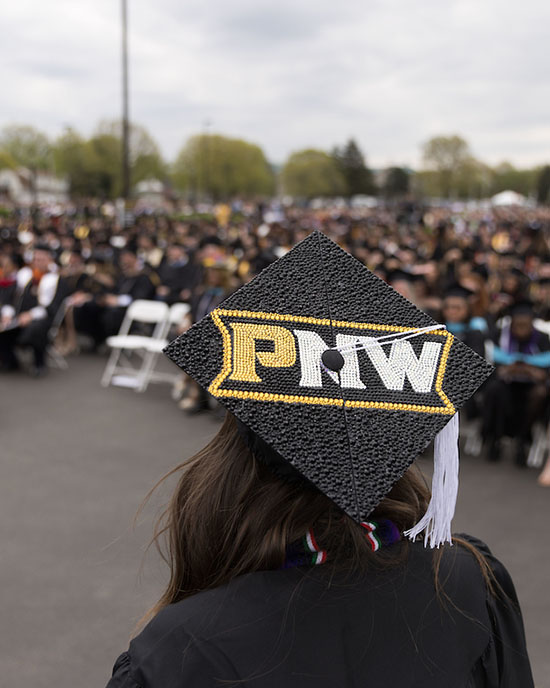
[{"x": 290, "y": 74}]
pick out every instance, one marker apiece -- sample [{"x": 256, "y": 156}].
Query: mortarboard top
[
  {"x": 354, "y": 432},
  {"x": 522, "y": 307},
  {"x": 400, "y": 275},
  {"x": 43, "y": 246},
  {"x": 459, "y": 291}
]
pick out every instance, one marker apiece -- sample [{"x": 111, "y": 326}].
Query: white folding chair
[
  {"x": 178, "y": 311},
  {"x": 539, "y": 446},
  {"x": 124, "y": 344},
  {"x": 470, "y": 432}
]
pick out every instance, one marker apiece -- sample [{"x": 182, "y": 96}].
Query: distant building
[
  {"x": 151, "y": 194},
  {"x": 23, "y": 187}
]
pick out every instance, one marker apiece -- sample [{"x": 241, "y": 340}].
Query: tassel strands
[{"x": 436, "y": 522}]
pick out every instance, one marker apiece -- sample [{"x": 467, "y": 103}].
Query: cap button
[{"x": 332, "y": 359}]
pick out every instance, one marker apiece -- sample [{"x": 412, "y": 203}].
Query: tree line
[{"x": 218, "y": 167}]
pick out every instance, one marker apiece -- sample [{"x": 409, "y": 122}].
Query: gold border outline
[{"x": 214, "y": 388}]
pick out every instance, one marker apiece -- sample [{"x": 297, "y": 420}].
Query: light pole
[
  {"x": 125, "y": 122},
  {"x": 206, "y": 156}
]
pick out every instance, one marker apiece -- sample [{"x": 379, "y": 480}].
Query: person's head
[
  {"x": 146, "y": 242},
  {"x": 128, "y": 262},
  {"x": 457, "y": 304},
  {"x": 41, "y": 259},
  {"x": 10, "y": 263},
  {"x": 511, "y": 283},
  {"x": 175, "y": 253},
  {"x": 231, "y": 514},
  {"x": 543, "y": 289},
  {"x": 403, "y": 283},
  {"x": 521, "y": 325},
  {"x": 455, "y": 309},
  {"x": 215, "y": 275},
  {"x": 75, "y": 260}
]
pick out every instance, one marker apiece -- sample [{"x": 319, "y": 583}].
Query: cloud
[{"x": 390, "y": 72}]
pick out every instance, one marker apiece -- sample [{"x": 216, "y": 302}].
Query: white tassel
[{"x": 437, "y": 519}]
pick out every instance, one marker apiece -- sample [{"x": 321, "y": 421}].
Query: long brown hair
[{"x": 230, "y": 515}]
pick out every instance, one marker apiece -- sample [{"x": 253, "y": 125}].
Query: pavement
[{"x": 76, "y": 462}]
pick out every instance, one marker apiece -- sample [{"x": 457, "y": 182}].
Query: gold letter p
[{"x": 245, "y": 354}]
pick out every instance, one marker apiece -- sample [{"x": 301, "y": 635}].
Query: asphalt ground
[{"x": 76, "y": 461}]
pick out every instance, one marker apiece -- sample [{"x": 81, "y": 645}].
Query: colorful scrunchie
[{"x": 307, "y": 552}]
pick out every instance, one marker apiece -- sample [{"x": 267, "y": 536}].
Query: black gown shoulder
[
  {"x": 309, "y": 627},
  {"x": 505, "y": 663}
]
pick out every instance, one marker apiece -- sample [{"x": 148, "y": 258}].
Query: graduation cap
[
  {"x": 459, "y": 291},
  {"x": 340, "y": 376},
  {"x": 43, "y": 246},
  {"x": 522, "y": 307},
  {"x": 400, "y": 275}
]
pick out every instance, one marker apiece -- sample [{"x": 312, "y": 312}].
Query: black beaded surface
[{"x": 353, "y": 455}]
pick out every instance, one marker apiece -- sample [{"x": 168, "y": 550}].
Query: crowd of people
[{"x": 484, "y": 273}]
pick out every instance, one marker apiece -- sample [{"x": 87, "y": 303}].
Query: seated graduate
[
  {"x": 81, "y": 287},
  {"x": 517, "y": 396},
  {"x": 457, "y": 316},
  {"x": 101, "y": 315},
  {"x": 178, "y": 276},
  {"x": 294, "y": 538},
  {"x": 37, "y": 294},
  {"x": 458, "y": 319},
  {"x": 542, "y": 296},
  {"x": 10, "y": 267}
]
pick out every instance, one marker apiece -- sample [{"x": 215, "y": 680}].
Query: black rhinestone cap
[{"x": 272, "y": 355}]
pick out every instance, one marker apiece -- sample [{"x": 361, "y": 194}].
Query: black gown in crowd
[
  {"x": 99, "y": 321},
  {"x": 178, "y": 277},
  {"x": 304, "y": 628},
  {"x": 35, "y": 334}
]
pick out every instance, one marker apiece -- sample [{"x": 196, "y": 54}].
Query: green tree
[
  {"x": 425, "y": 183},
  {"x": 543, "y": 185},
  {"x": 507, "y": 177},
  {"x": 146, "y": 161},
  {"x": 7, "y": 161},
  {"x": 351, "y": 162},
  {"x": 93, "y": 166},
  {"x": 105, "y": 159},
  {"x": 220, "y": 167},
  {"x": 309, "y": 173},
  {"x": 396, "y": 183},
  {"x": 27, "y": 146},
  {"x": 472, "y": 179},
  {"x": 445, "y": 157},
  {"x": 75, "y": 159}
]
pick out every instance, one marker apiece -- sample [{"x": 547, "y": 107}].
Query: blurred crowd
[{"x": 68, "y": 276}]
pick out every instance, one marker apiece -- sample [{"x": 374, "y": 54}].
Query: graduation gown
[
  {"x": 43, "y": 301},
  {"x": 303, "y": 627},
  {"x": 136, "y": 287},
  {"x": 178, "y": 277}
]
